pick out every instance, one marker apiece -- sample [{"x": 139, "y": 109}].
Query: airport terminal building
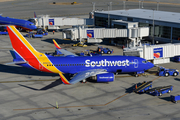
[{"x": 166, "y": 24}]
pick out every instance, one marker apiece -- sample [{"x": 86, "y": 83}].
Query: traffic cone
[{"x": 136, "y": 86}]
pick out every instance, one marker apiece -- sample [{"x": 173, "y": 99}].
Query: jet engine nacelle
[{"x": 106, "y": 77}]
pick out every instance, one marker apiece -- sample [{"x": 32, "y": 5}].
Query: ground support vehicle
[
  {"x": 104, "y": 50},
  {"x": 166, "y": 72},
  {"x": 29, "y": 35},
  {"x": 175, "y": 98},
  {"x": 80, "y": 44},
  {"x": 37, "y": 36},
  {"x": 158, "y": 91},
  {"x": 41, "y": 32},
  {"x": 3, "y": 33},
  {"x": 143, "y": 87},
  {"x": 140, "y": 73},
  {"x": 177, "y": 59}
]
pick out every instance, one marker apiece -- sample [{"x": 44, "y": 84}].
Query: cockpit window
[
  {"x": 145, "y": 61},
  {"x": 32, "y": 20}
]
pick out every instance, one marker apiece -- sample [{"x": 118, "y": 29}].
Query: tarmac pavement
[{"x": 27, "y": 94}]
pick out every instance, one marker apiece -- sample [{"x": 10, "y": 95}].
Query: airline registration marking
[{"x": 46, "y": 63}]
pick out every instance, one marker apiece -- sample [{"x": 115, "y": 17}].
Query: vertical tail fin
[
  {"x": 24, "y": 50},
  {"x": 20, "y": 44}
]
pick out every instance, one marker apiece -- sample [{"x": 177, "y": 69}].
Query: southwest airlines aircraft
[
  {"x": 19, "y": 23},
  {"x": 103, "y": 67}
]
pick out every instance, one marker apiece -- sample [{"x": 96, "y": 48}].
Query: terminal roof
[{"x": 146, "y": 14}]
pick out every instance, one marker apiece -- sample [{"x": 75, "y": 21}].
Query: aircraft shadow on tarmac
[
  {"x": 59, "y": 41},
  {"x": 177, "y": 79},
  {"x": 53, "y": 84},
  {"x": 23, "y": 71}
]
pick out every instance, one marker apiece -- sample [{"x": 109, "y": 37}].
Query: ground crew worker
[{"x": 53, "y": 32}]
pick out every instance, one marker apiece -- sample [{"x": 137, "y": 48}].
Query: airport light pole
[
  {"x": 108, "y": 17},
  {"x": 142, "y": 4},
  {"x": 153, "y": 29},
  {"x": 157, "y": 6},
  {"x": 110, "y": 3},
  {"x": 93, "y": 3},
  {"x": 124, "y": 3},
  {"x": 139, "y": 4}
]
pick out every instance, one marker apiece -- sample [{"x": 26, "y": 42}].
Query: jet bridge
[
  {"x": 47, "y": 22},
  {"x": 157, "y": 54},
  {"x": 95, "y": 35}
]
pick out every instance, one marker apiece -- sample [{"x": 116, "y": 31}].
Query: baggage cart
[
  {"x": 159, "y": 91},
  {"x": 175, "y": 98},
  {"x": 143, "y": 87}
]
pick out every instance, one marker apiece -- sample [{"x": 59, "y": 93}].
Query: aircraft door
[{"x": 135, "y": 63}]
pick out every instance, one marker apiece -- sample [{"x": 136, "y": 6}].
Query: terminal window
[{"x": 176, "y": 34}]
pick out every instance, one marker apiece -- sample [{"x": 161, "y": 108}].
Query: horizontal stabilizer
[{"x": 16, "y": 63}]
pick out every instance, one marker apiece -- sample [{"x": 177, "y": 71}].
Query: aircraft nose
[{"x": 150, "y": 65}]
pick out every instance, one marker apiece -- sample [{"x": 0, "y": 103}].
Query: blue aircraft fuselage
[
  {"x": 19, "y": 23},
  {"x": 123, "y": 64}
]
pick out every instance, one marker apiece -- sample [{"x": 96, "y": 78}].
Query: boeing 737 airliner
[
  {"x": 19, "y": 23},
  {"x": 103, "y": 67}
]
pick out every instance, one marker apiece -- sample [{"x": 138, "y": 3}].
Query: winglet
[
  {"x": 56, "y": 45},
  {"x": 64, "y": 80},
  {"x": 35, "y": 15}
]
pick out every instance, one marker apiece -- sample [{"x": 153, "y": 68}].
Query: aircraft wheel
[
  {"x": 84, "y": 81},
  {"x": 175, "y": 74},
  {"x": 116, "y": 73},
  {"x": 166, "y": 74},
  {"x": 109, "y": 52},
  {"x": 136, "y": 75}
]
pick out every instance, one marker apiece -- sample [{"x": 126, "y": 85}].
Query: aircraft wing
[
  {"x": 62, "y": 51},
  {"x": 82, "y": 75},
  {"x": 65, "y": 52}
]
